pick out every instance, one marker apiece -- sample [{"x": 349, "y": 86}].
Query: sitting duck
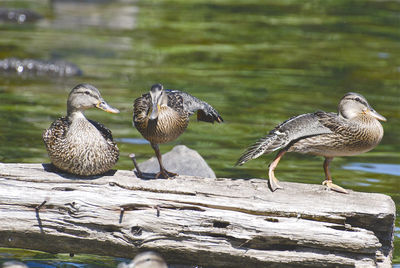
[{"x": 77, "y": 145}]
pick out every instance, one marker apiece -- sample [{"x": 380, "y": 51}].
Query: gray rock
[{"x": 181, "y": 160}]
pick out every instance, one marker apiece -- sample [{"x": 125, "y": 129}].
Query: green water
[{"x": 257, "y": 62}]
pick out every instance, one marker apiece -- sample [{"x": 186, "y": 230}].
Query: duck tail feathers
[{"x": 262, "y": 146}]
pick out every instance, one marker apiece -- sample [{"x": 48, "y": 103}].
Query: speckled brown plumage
[
  {"x": 170, "y": 124},
  {"x": 348, "y": 137},
  {"x": 354, "y": 130},
  {"x": 80, "y": 146},
  {"x": 162, "y": 116}
]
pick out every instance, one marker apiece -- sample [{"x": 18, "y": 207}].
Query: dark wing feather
[
  {"x": 176, "y": 101},
  {"x": 141, "y": 108},
  {"x": 105, "y": 132},
  {"x": 57, "y": 130},
  {"x": 295, "y": 128},
  {"x": 191, "y": 104},
  {"x": 332, "y": 121}
]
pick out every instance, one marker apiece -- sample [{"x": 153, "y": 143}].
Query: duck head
[
  {"x": 85, "y": 96},
  {"x": 147, "y": 259},
  {"x": 354, "y": 104},
  {"x": 158, "y": 98}
]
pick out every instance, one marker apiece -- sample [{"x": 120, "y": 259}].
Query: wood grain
[{"x": 218, "y": 222}]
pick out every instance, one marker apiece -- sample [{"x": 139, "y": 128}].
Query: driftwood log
[{"x": 192, "y": 220}]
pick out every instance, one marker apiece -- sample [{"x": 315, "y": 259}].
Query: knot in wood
[{"x": 72, "y": 208}]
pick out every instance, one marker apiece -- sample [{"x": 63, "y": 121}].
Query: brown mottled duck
[
  {"x": 78, "y": 145},
  {"x": 162, "y": 115},
  {"x": 355, "y": 129}
]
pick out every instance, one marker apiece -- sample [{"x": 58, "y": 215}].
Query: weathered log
[{"x": 192, "y": 220}]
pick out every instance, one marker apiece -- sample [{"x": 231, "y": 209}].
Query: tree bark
[{"x": 218, "y": 222}]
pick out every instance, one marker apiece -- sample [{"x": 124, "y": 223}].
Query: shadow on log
[{"x": 192, "y": 220}]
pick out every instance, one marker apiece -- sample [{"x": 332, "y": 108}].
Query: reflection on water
[
  {"x": 257, "y": 62},
  {"x": 39, "y": 259},
  {"x": 69, "y": 14},
  {"x": 390, "y": 169},
  {"x": 132, "y": 140}
]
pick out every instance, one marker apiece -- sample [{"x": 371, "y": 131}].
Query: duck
[
  {"x": 162, "y": 115},
  {"x": 147, "y": 259},
  {"x": 77, "y": 145},
  {"x": 355, "y": 129}
]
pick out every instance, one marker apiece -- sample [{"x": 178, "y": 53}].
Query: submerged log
[
  {"x": 36, "y": 67},
  {"x": 191, "y": 220},
  {"x": 19, "y": 16}
]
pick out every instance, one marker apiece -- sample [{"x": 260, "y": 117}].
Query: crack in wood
[
  {"x": 319, "y": 218},
  {"x": 145, "y": 189}
]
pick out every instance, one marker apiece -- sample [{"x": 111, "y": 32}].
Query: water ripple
[
  {"x": 132, "y": 140},
  {"x": 389, "y": 169}
]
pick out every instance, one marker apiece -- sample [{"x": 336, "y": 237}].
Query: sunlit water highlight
[{"x": 390, "y": 169}]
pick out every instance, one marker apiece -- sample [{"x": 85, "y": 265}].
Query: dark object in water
[
  {"x": 18, "y": 15},
  {"x": 39, "y": 67}
]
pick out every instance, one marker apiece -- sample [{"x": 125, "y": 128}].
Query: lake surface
[{"x": 257, "y": 62}]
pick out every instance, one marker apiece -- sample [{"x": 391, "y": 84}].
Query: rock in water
[
  {"x": 181, "y": 160},
  {"x": 18, "y": 15},
  {"x": 35, "y": 67}
]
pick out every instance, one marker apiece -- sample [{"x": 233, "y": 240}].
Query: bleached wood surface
[{"x": 190, "y": 220}]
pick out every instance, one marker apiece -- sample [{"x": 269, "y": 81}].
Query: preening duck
[{"x": 162, "y": 115}]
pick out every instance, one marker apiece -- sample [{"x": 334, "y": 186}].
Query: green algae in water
[{"x": 34, "y": 258}]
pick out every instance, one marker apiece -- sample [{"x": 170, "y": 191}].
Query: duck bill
[
  {"x": 375, "y": 114},
  {"x": 106, "y": 107},
  {"x": 154, "y": 111}
]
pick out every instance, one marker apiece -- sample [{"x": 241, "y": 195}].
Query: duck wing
[
  {"x": 191, "y": 104},
  {"x": 141, "y": 107},
  {"x": 333, "y": 122},
  {"x": 105, "y": 132},
  {"x": 291, "y": 130},
  {"x": 56, "y": 131}
]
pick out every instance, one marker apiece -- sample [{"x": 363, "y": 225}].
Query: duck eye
[
  {"x": 358, "y": 99},
  {"x": 87, "y": 92}
]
